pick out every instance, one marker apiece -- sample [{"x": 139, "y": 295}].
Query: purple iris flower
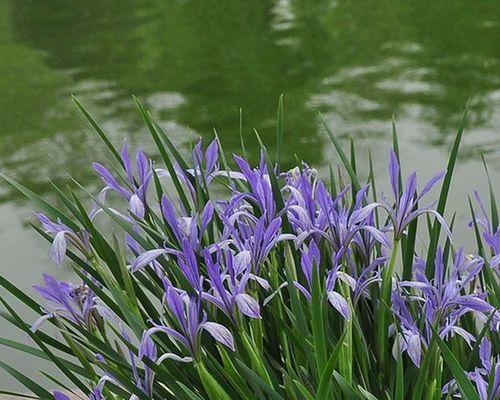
[
  {"x": 135, "y": 188},
  {"x": 404, "y": 210},
  {"x": 409, "y": 339},
  {"x": 260, "y": 191},
  {"x": 442, "y": 301},
  {"x": 486, "y": 377},
  {"x": 183, "y": 227},
  {"x": 191, "y": 322},
  {"x": 186, "y": 259},
  {"x": 246, "y": 232},
  {"x": 302, "y": 204},
  {"x": 337, "y": 300},
  {"x": 73, "y": 302},
  {"x": 491, "y": 235},
  {"x": 228, "y": 284},
  {"x": 311, "y": 259},
  {"x": 313, "y": 212},
  {"x": 206, "y": 168},
  {"x": 63, "y": 235}
]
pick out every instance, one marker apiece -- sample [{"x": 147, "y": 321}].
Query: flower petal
[
  {"x": 220, "y": 333},
  {"x": 339, "y": 303},
  {"x": 247, "y": 305}
]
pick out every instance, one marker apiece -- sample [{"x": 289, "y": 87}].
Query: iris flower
[
  {"x": 63, "y": 235},
  {"x": 73, "y": 302},
  {"x": 228, "y": 284},
  {"x": 190, "y": 323},
  {"x": 441, "y": 302},
  {"x": 405, "y": 210},
  {"x": 135, "y": 188}
]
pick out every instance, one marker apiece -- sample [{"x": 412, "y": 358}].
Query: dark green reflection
[{"x": 195, "y": 63}]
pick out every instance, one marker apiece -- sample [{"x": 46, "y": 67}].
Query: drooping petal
[
  {"x": 39, "y": 322},
  {"x": 147, "y": 258},
  {"x": 219, "y": 333},
  {"x": 58, "y": 249},
  {"x": 485, "y": 353},
  {"x": 175, "y": 357},
  {"x": 414, "y": 347},
  {"x": 109, "y": 180},
  {"x": 136, "y": 206},
  {"x": 247, "y": 305},
  {"x": 339, "y": 303},
  {"x": 241, "y": 261},
  {"x": 475, "y": 303}
]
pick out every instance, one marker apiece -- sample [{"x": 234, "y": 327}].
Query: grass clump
[{"x": 257, "y": 283}]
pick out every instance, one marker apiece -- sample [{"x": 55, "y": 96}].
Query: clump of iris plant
[{"x": 224, "y": 279}]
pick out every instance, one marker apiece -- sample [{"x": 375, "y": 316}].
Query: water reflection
[{"x": 197, "y": 63}]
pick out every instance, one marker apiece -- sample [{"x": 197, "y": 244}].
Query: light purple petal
[
  {"x": 475, "y": 303},
  {"x": 136, "y": 207},
  {"x": 485, "y": 353},
  {"x": 394, "y": 173},
  {"x": 109, "y": 180},
  {"x": 247, "y": 305},
  {"x": 39, "y": 322},
  {"x": 339, "y": 303},
  {"x": 212, "y": 155},
  {"x": 241, "y": 261},
  {"x": 126, "y": 161},
  {"x": 414, "y": 347},
  {"x": 220, "y": 333},
  {"x": 206, "y": 216},
  {"x": 430, "y": 184},
  {"x": 147, "y": 258},
  {"x": 58, "y": 249},
  {"x": 175, "y": 357}
]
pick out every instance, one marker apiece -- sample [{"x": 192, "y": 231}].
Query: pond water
[{"x": 196, "y": 63}]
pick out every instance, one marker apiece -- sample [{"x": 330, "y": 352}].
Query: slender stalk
[{"x": 384, "y": 304}]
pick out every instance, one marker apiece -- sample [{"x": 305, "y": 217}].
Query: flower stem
[{"x": 384, "y": 305}]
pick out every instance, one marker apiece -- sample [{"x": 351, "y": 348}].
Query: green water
[{"x": 195, "y": 63}]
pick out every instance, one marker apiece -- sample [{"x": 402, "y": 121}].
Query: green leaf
[
  {"x": 213, "y": 388},
  {"x": 256, "y": 379},
  {"x": 399, "y": 391},
  {"x": 20, "y": 395},
  {"x": 347, "y": 165},
  {"x": 493, "y": 201},
  {"x": 326, "y": 376},
  {"x": 26, "y": 382},
  {"x": 99, "y": 131},
  {"x": 466, "y": 387},
  {"x": 156, "y": 135},
  {"x": 443, "y": 196},
  {"x": 318, "y": 326},
  {"x": 279, "y": 130}
]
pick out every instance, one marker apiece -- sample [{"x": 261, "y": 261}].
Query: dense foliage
[{"x": 256, "y": 283}]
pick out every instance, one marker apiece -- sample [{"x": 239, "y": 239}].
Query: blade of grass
[
  {"x": 279, "y": 130},
  {"x": 345, "y": 162},
  {"x": 443, "y": 196},
  {"x": 464, "y": 383},
  {"x": 99, "y": 131}
]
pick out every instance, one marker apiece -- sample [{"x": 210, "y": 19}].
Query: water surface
[{"x": 196, "y": 63}]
